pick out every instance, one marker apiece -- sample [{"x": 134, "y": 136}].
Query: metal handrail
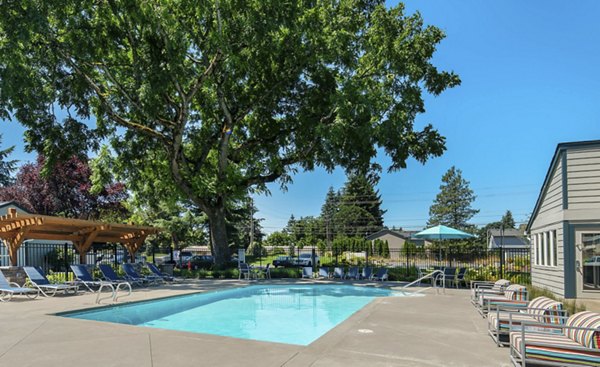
[
  {"x": 124, "y": 284},
  {"x": 112, "y": 292},
  {"x": 435, "y": 276}
]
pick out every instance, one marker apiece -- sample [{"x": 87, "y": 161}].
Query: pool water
[{"x": 293, "y": 314}]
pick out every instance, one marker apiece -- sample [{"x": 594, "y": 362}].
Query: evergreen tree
[
  {"x": 507, "y": 220},
  {"x": 359, "y": 212},
  {"x": 328, "y": 211},
  {"x": 6, "y": 166},
  {"x": 452, "y": 206}
]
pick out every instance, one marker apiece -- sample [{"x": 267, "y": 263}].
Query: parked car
[
  {"x": 284, "y": 261},
  {"x": 200, "y": 262},
  {"x": 306, "y": 260}
]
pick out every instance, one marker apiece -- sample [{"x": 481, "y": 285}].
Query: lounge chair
[
  {"x": 367, "y": 273},
  {"x": 510, "y": 315},
  {"x": 381, "y": 274},
  {"x": 352, "y": 273},
  {"x": 487, "y": 301},
  {"x": 478, "y": 287},
  {"x": 9, "y": 289},
  {"x": 576, "y": 343},
  {"x": 156, "y": 271},
  {"x": 38, "y": 280},
  {"x": 324, "y": 272},
  {"x": 83, "y": 276},
  {"x": 108, "y": 273},
  {"x": 307, "y": 272},
  {"x": 132, "y": 275},
  {"x": 338, "y": 273}
]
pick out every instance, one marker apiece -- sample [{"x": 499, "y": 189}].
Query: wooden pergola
[{"x": 18, "y": 227}]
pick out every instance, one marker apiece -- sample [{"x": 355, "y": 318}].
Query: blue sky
[{"x": 530, "y": 80}]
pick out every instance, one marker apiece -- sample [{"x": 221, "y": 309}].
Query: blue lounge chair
[
  {"x": 307, "y": 272},
  {"x": 83, "y": 276},
  {"x": 367, "y": 273},
  {"x": 156, "y": 271},
  {"x": 132, "y": 275},
  {"x": 352, "y": 273},
  {"x": 9, "y": 289},
  {"x": 338, "y": 273},
  {"x": 324, "y": 272},
  {"x": 382, "y": 274},
  {"x": 38, "y": 280},
  {"x": 109, "y": 274}
]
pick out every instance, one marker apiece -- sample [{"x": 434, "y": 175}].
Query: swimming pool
[{"x": 293, "y": 314}]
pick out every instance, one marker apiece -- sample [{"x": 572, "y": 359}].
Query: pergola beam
[{"x": 17, "y": 227}]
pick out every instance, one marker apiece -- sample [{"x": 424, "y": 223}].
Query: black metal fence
[{"x": 482, "y": 264}]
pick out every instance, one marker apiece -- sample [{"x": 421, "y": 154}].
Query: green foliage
[
  {"x": 56, "y": 258},
  {"x": 358, "y": 211},
  {"x": 256, "y": 249},
  {"x": 202, "y": 101},
  {"x": 279, "y": 239},
  {"x": 7, "y": 167},
  {"x": 452, "y": 206}
]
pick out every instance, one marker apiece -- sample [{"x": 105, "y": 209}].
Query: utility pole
[{"x": 251, "y": 220}]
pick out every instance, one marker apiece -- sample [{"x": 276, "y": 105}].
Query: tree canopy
[
  {"x": 207, "y": 99},
  {"x": 66, "y": 191},
  {"x": 452, "y": 205}
]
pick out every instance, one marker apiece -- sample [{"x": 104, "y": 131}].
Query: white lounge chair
[
  {"x": 39, "y": 281},
  {"x": 9, "y": 289}
]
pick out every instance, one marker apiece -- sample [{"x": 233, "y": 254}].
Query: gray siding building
[{"x": 564, "y": 228}]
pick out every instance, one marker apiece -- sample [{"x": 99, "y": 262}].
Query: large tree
[
  {"x": 212, "y": 98},
  {"x": 6, "y": 166},
  {"x": 359, "y": 212},
  {"x": 452, "y": 205}
]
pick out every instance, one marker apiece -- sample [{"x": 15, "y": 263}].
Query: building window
[
  {"x": 542, "y": 249},
  {"x": 591, "y": 260},
  {"x": 554, "y": 248},
  {"x": 536, "y": 244}
]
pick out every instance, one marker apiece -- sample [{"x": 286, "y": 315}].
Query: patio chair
[
  {"x": 487, "y": 301},
  {"x": 10, "y": 289},
  {"x": 156, "y": 271},
  {"x": 381, "y": 274},
  {"x": 307, "y": 272},
  {"x": 367, "y": 273},
  {"x": 478, "y": 286},
  {"x": 509, "y": 316},
  {"x": 352, "y": 273},
  {"x": 266, "y": 272},
  {"x": 38, "y": 280},
  {"x": 132, "y": 275},
  {"x": 576, "y": 343},
  {"x": 108, "y": 273},
  {"x": 449, "y": 276},
  {"x": 245, "y": 271},
  {"x": 338, "y": 273},
  {"x": 324, "y": 272},
  {"x": 460, "y": 277}
]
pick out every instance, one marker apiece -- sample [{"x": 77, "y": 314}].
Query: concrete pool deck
[{"x": 436, "y": 330}]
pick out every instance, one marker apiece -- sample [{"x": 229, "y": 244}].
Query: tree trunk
[{"x": 218, "y": 234}]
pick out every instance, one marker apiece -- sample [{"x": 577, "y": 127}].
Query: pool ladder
[
  {"x": 114, "y": 292},
  {"x": 435, "y": 276}
]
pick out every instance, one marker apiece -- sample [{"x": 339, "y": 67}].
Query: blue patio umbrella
[{"x": 441, "y": 232}]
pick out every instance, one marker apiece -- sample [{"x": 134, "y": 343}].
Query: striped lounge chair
[
  {"x": 575, "y": 344},
  {"x": 478, "y": 287},
  {"x": 510, "y": 315},
  {"x": 488, "y": 301}
]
